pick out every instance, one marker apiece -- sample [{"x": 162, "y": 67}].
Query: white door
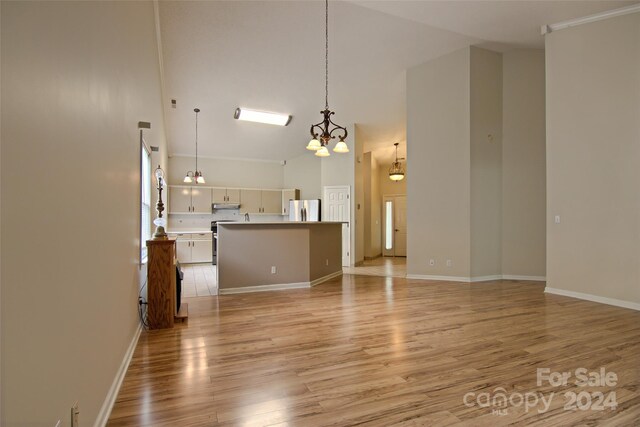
[
  {"x": 394, "y": 231},
  {"x": 179, "y": 200},
  {"x": 201, "y": 200},
  {"x": 337, "y": 207}
]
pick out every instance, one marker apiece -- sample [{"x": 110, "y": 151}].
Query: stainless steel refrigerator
[{"x": 304, "y": 210}]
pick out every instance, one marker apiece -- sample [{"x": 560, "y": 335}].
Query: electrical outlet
[
  {"x": 327, "y": 261},
  {"x": 449, "y": 263},
  {"x": 273, "y": 269},
  {"x": 75, "y": 415},
  {"x": 432, "y": 262},
  {"x": 557, "y": 219}
]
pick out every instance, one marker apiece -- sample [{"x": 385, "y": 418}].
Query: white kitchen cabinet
[
  {"x": 272, "y": 202},
  {"x": 183, "y": 251},
  {"x": 250, "y": 201},
  {"x": 189, "y": 199},
  {"x": 193, "y": 247},
  {"x": 287, "y": 195},
  {"x": 201, "y": 251},
  {"x": 226, "y": 195}
]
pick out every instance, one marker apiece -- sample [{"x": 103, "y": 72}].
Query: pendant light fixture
[
  {"x": 197, "y": 175},
  {"x": 396, "y": 172},
  {"x": 322, "y": 133}
]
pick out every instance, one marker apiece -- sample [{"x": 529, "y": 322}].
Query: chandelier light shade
[
  {"x": 322, "y": 133},
  {"x": 196, "y": 176},
  {"x": 396, "y": 171}
]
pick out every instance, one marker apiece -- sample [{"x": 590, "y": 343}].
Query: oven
[{"x": 214, "y": 239}]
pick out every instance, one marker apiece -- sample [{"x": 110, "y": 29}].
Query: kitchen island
[{"x": 266, "y": 256}]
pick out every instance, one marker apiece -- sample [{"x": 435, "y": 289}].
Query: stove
[{"x": 214, "y": 238}]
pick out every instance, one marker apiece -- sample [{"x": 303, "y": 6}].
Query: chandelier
[
  {"x": 396, "y": 172},
  {"x": 197, "y": 175},
  {"x": 322, "y": 133}
]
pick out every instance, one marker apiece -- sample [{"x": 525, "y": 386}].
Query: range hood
[{"x": 221, "y": 206}]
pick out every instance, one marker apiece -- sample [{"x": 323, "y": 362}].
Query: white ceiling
[{"x": 270, "y": 56}]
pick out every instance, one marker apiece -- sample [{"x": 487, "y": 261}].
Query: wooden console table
[{"x": 161, "y": 285}]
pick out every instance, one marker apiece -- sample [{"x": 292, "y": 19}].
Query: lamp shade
[
  {"x": 341, "y": 147},
  {"x": 314, "y": 145},
  {"x": 323, "y": 152}
]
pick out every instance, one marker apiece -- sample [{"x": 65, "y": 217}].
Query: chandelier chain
[
  {"x": 326, "y": 55},
  {"x": 197, "y": 140}
]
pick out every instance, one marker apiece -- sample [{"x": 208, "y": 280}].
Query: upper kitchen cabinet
[
  {"x": 250, "y": 201},
  {"x": 272, "y": 202},
  {"x": 288, "y": 195},
  {"x": 226, "y": 195},
  {"x": 189, "y": 200}
]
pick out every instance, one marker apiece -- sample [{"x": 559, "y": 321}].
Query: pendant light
[
  {"x": 197, "y": 175},
  {"x": 322, "y": 133},
  {"x": 396, "y": 172}
]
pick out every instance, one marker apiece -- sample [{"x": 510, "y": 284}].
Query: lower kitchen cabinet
[{"x": 193, "y": 248}]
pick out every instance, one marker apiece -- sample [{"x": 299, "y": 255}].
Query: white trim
[
  {"x": 530, "y": 278},
  {"x": 241, "y": 159},
  {"x": 593, "y": 298},
  {"x": 485, "y": 278},
  {"x": 475, "y": 279},
  {"x": 438, "y": 278},
  {"x": 326, "y": 278},
  {"x": 264, "y": 288},
  {"x": 546, "y": 29},
  {"x": 107, "y": 405}
]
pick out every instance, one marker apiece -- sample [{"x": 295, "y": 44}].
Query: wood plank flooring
[{"x": 374, "y": 351}]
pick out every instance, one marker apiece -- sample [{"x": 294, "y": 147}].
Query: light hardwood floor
[
  {"x": 381, "y": 266},
  {"x": 364, "y": 350}
]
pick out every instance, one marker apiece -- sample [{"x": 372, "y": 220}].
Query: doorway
[
  {"x": 337, "y": 207},
  {"x": 394, "y": 209}
]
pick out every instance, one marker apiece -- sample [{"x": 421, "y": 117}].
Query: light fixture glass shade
[
  {"x": 323, "y": 152},
  {"x": 341, "y": 147},
  {"x": 187, "y": 179},
  {"x": 314, "y": 145},
  {"x": 396, "y": 173},
  {"x": 159, "y": 173},
  {"x": 200, "y": 179}
]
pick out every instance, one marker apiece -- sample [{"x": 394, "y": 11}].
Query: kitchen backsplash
[{"x": 203, "y": 222}]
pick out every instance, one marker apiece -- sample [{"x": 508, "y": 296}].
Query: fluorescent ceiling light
[{"x": 262, "y": 117}]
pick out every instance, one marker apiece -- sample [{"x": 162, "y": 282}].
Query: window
[{"x": 145, "y": 200}]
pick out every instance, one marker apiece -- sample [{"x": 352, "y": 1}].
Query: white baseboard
[
  {"x": 107, "y": 405},
  {"x": 485, "y": 278},
  {"x": 325, "y": 278},
  {"x": 439, "y": 278},
  {"x": 594, "y": 298},
  {"x": 264, "y": 288},
  {"x": 475, "y": 279},
  {"x": 530, "y": 278}
]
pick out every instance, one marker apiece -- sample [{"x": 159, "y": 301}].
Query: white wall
[
  {"x": 523, "y": 164},
  {"x": 438, "y": 157},
  {"x": 303, "y": 172},
  {"x": 486, "y": 162},
  {"x": 229, "y": 172},
  {"x": 76, "y": 79},
  {"x": 593, "y": 158}
]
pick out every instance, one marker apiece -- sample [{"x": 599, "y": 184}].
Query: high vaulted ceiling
[{"x": 269, "y": 56}]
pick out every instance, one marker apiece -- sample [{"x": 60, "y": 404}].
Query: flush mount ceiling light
[
  {"x": 396, "y": 172},
  {"x": 197, "y": 175},
  {"x": 322, "y": 133},
  {"x": 248, "y": 115}
]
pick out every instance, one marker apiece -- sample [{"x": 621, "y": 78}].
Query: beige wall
[
  {"x": 486, "y": 162},
  {"x": 372, "y": 207},
  {"x": 76, "y": 79},
  {"x": 359, "y": 250},
  {"x": 523, "y": 164},
  {"x": 303, "y": 172},
  {"x": 228, "y": 172},
  {"x": 438, "y": 157},
  {"x": 593, "y": 158}
]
